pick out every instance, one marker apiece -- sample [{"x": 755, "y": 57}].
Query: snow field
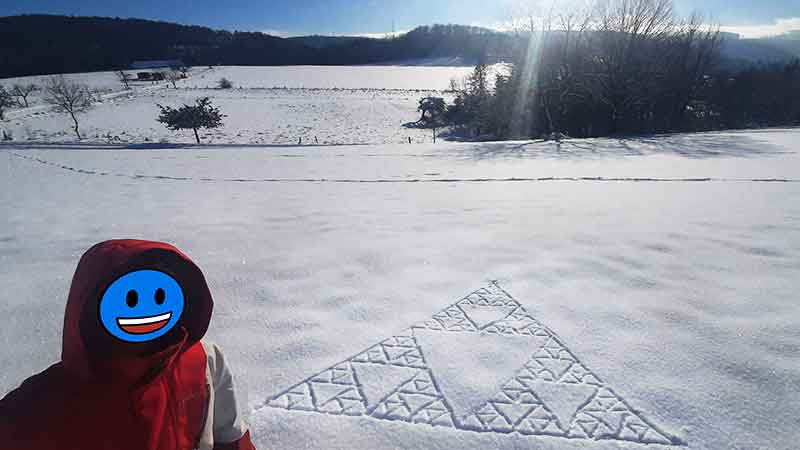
[
  {"x": 268, "y": 105},
  {"x": 667, "y": 266},
  {"x": 254, "y": 116}
]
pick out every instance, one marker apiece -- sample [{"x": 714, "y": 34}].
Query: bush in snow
[
  {"x": 224, "y": 83},
  {"x": 201, "y": 115},
  {"x": 68, "y": 97}
]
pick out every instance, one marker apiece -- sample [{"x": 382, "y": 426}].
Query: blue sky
[{"x": 750, "y": 17}]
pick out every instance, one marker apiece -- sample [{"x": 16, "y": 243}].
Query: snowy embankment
[{"x": 660, "y": 273}]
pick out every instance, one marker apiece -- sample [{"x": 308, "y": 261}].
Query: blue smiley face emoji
[{"x": 141, "y": 306}]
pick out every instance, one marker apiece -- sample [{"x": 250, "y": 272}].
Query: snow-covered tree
[
  {"x": 192, "y": 117},
  {"x": 68, "y": 97}
]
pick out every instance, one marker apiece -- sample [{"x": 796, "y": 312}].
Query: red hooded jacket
[{"x": 103, "y": 396}]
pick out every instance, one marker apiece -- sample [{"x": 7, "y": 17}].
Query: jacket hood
[{"x": 86, "y": 345}]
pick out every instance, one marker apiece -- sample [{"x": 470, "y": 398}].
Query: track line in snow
[{"x": 407, "y": 180}]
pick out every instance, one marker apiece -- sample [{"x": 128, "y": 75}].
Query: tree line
[
  {"x": 618, "y": 66},
  {"x": 49, "y": 44}
]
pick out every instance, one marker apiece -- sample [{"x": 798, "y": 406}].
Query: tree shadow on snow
[{"x": 695, "y": 146}]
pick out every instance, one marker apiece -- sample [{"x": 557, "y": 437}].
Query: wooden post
[{"x": 434, "y": 135}]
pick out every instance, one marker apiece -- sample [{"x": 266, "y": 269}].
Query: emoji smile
[{"x": 143, "y": 325}]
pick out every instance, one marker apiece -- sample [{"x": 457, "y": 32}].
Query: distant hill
[
  {"x": 320, "y": 42},
  {"x": 46, "y": 44},
  {"x": 738, "y": 53}
]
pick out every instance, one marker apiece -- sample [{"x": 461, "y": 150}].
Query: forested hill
[{"x": 46, "y": 44}]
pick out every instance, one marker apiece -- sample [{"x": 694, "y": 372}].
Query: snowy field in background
[
  {"x": 332, "y": 77},
  {"x": 663, "y": 269},
  {"x": 268, "y": 105},
  {"x": 254, "y": 116}
]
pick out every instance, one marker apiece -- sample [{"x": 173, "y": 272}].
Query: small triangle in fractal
[
  {"x": 621, "y": 422},
  {"x": 299, "y": 397},
  {"x": 493, "y": 420},
  {"x": 472, "y": 422},
  {"x": 376, "y": 381},
  {"x": 339, "y": 374},
  {"x": 374, "y": 354},
  {"x": 549, "y": 369},
  {"x": 325, "y": 392},
  {"x": 452, "y": 318},
  {"x": 513, "y": 413},
  {"x": 540, "y": 421},
  {"x": 416, "y": 401}
]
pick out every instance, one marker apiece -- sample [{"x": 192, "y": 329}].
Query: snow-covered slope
[
  {"x": 666, "y": 266},
  {"x": 329, "y": 77}
]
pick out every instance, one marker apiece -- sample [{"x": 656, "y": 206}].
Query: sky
[{"x": 751, "y": 18}]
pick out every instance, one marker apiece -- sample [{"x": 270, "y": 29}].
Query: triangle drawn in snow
[
  {"x": 471, "y": 367},
  {"x": 378, "y": 380},
  {"x": 481, "y": 364}
]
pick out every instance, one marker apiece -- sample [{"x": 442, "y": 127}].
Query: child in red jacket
[{"x": 134, "y": 373}]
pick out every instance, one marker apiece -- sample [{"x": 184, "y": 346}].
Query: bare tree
[
  {"x": 68, "y": 97},
  {"x": 631, "y": 36},
  {"x": 173, "y": 76},
  {"x": 693, "y": 53},
  {"x": 124, "y": 78},
  {"x": 22, "y": 91},
  {"x": 6, "y": 101}
]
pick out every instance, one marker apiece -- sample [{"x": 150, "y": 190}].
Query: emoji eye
[
  {"x": 132, "y": 298},
  {"x": 160, "y": 296}
]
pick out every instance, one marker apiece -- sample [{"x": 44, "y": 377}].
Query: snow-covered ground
[
  {"x": 269, "y": 105},
  {"x": 254, "y": 116},
  {"x": 653, "y": 283},
  {"x": 330, "y": 77}
]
